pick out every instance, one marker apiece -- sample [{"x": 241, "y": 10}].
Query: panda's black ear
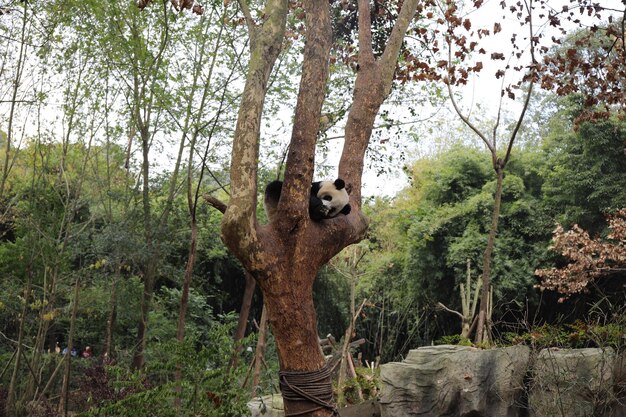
[{"x": 339, "y": 184}]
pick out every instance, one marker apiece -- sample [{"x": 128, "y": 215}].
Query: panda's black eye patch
[{"x": 327, "y": 198}]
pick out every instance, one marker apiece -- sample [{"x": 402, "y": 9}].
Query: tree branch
[
  {"x": 443, "y": 307},
  {"x": 372, "y": 86},
  {"x": 366, "y": 53},
  {"x": 529, "y": 9},
  {"x": 252, "y": 28},
  {"x": 216, "y": 203},
  {"x": 239, "y": 223},
  {"x": 458, "y": 111},
  {"x": 394, "y": 43},
  {"x": 299, "y": 168}
]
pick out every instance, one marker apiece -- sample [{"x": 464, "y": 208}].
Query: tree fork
[{"x": 285, "y": 255}]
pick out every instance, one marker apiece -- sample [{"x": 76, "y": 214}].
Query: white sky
[{"x": 484, "y": 89}]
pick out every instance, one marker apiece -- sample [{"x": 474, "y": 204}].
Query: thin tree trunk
[
  {"x": 345, "y": 350},
  {"x": 184, "y": 301},
  {"x": 259, "y": 355},
  {"x": 150, "y": 264},
  {"x": 51, "y": 379},
  {"x": 65, "y": 389},
  {"x": 32, "y": 385},
  {"x": 482, "y": 331},
  {"x": 16, "y": 85},
  {"x": 142, "y": 325},
  {"x": 244, "y": 314},
  {"x": 11, "y": 408},
  {"x": 108, "y": 341}
]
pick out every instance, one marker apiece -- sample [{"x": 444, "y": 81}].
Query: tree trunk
[
  {"x": 49, "y": 294},
  {"x": 149, "y": 267},
  {"x": 184, "y": 297},
  {"x": 108, "y": 341},
  {"x": 142, "y": 325},
  {"x": 65, "y": 389},
  {"x": 244, "y": 314},
  {"x": 259, "y": 355},
  {"x": 291, "y": 314},
  {"x": 285, "y": 255},
  {"x": 141, "y": 108},
  {"x": 11, "y": 408},
  {"x": 184, "y": 300},
  {"x": 17, "y": 82},
  {"x": 482, "y": 331}
]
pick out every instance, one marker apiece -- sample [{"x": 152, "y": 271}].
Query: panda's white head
[{"x": 334, "y": 196}]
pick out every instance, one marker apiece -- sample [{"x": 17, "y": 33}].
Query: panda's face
[{"x": 333, "y": 198}]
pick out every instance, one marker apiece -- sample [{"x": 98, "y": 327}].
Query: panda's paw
[{"x": 324, "y": 210}]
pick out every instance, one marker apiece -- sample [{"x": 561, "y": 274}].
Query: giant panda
[{"x": 327, "y": 199}]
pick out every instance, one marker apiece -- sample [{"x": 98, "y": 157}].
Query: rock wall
[
  {"x": 460, "y": 381},
  {"x": 576, "y": 383}
]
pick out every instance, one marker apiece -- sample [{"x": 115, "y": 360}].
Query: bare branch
[
  {"x": 216, "y": 203},
  {"x": 390, "y": 55},
  {"x": 458, "y": 111},
  {"x": 519, "y": 121},
  {"x": 529, "y": 8},
  {"x": 366, "y": 53},
  {"x": 467, "y": 121},
  {"x": 301, "y": 153},
  {"x": 443, "y": 307},
  {"x": 252, "y": 28},
  {"x": 239, "y": 222}
]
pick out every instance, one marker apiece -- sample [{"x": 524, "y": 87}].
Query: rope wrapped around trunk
[{"x": 313, "y": 386}]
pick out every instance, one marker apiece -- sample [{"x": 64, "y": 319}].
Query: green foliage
[
  {"x": 454, "y": 339},
  {"x": 331, "y": 295},
  {"x": 575, "y": 335},
  {"x": 585, "y": 170},
  {"x": 419, "y": 242},
  {"x": 108, "y": 75},
  {"x": 453, "y": 229},
  {"x": 208, "y": 387},
  {"x": 365, "y": 386}
]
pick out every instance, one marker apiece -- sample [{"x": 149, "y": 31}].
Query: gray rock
[
  {"x": 267, "y": 406},
  {"x": 574, "y": 383},
  {"x": 460, "y": 381},
  {"x": 455, "y": 381}
]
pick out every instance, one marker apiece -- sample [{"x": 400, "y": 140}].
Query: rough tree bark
[{"x": 285, "y": 255}]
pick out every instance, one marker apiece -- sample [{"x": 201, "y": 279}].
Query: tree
[
  {"x": 446, "y": 219},
  {"x": 20, "y": 63},
  {"x": 192, "y": 126},
  {"x": 499, "y": 158},
  {"x": 588, "y": 259},
  {"x": 585, "y": 174},
  {"x": 285, "y": 255},
  {"x": 591, "y": 62},
  {"x": 462, "y": 40},
  {"x": 171, "y": 83}
]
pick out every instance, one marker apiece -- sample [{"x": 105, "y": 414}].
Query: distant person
[
  {"x": 73, "y": 352},
  {"x": 87, "y": 353},
  {"x": 107, "y": 359},
  {"x": 57, "y": 348}
]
